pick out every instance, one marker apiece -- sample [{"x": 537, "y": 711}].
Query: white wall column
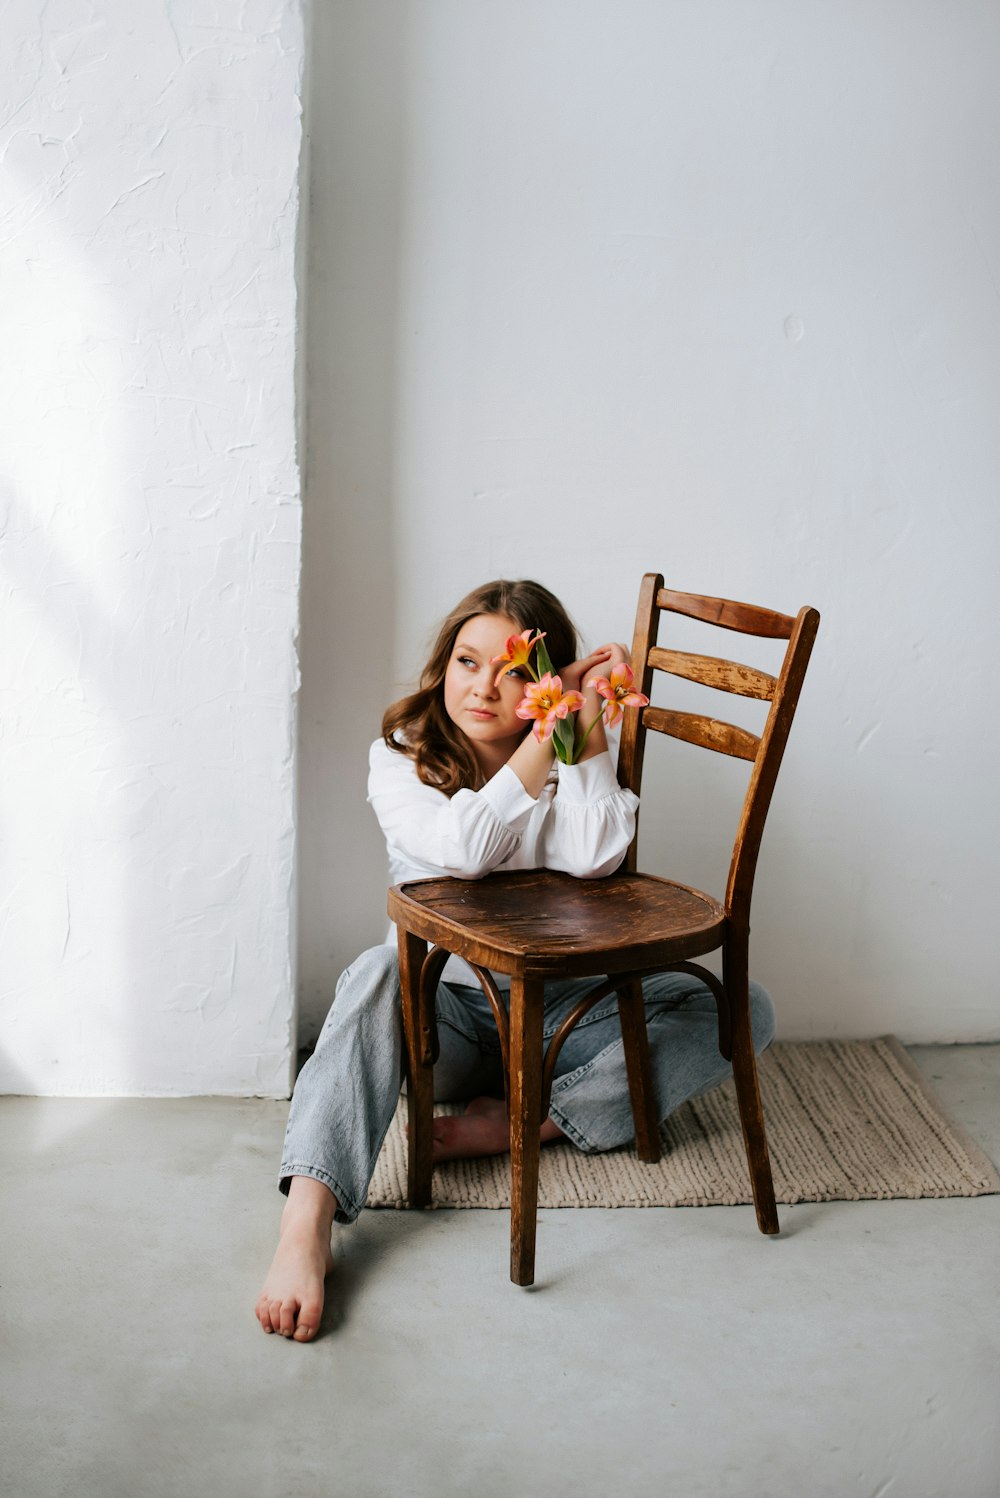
[{"x": 150, "y": 517}]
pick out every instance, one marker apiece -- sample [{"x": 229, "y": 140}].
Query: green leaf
[
  {"x": 564, "y": 738},
  {"x": 543, "y": 659}
]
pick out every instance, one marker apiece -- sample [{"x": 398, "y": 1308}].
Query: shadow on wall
[{"x": 356, "y": 114}]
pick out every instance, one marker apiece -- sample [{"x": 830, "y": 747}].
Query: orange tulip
[
  {"x": 546, "y": 702},
  {"x": 617, "y": 690}
]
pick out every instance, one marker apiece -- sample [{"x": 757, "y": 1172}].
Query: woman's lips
[{"x": 481, "y": 712}]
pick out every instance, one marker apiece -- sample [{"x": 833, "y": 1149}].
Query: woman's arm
[
  {"x": 587, "y": 827},
  {"x": 591, "y": 821},
  {"x": 532, "y": 763},
  {"x": 465, "y": 836}
]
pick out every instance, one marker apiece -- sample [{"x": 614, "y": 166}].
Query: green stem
[{"x": 578, "y": 746}]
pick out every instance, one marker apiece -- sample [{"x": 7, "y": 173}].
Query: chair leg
[
  {"x": 748, "y": 1088},
  {"x": 419, "y": 1075},
  {"x": 635, "y": 1042},
  {"x": 525, "y": 1091}
]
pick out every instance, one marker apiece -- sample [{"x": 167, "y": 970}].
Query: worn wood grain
[
  {"x": 635, "y": 1043},
  {"x": 735, "y": 976},
  {"x": 714, "y": 671},
  {"x": 706, "y": 733},
  {"x": 527, "y": 1002},
  {"x": 631, "y": 749},
  {"x": 746, "y": 618},
  {"x": 743, "y": 865},
  {"x": 419, "y": 1075},
  {"x": 543, "y": 924}
]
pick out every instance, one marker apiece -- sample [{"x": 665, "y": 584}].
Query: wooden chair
[{"x": 539, "y": 925}]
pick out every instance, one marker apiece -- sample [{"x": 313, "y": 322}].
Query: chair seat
[{"x": 539, "y": 924}]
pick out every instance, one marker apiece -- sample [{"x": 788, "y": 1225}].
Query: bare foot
[
  {"x": 291, "y": 1302},
  {"x": 481, "y": 1130}
]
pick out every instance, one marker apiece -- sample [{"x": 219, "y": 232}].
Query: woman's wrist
[
  {"x": 532, "y": 763},
  {"x": 592, "y": 708}
]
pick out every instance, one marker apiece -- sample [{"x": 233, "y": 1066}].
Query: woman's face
[{"x": 482, "y": 707}]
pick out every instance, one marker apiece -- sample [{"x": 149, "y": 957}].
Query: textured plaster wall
[
  {"x": 601, "y": 286},
  {"x": 150, "y": 519}
]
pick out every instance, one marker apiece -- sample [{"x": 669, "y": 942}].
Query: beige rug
[{"x": 846, "y": 1120}]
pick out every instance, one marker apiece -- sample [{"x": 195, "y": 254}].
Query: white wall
[
  {"x": 149, "y": 505},
  {"x": 600, "y": 286}
]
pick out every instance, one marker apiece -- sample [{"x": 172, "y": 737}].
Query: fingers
[
  {"x": 611, "y": 655},
  {"x": 573, "y": 674},
  {"x": 607, "y": 655},
  {"x": 583, "y": 673},
  {"x": 617, "y": 652}
]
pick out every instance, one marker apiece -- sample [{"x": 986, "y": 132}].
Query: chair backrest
[{"x": 764, "y": 751}]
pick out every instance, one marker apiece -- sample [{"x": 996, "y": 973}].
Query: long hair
[{"x": 443, "y": 755}]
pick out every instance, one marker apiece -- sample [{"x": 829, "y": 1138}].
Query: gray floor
[{"x": 663, "y": 1352}]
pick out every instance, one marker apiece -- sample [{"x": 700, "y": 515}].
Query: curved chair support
[
  {"x": 721, "y": 1001},
  {"x": 488, "y": 984},
  {"x": 616, "y": 985},
  {"x": 430, "y": 976},
  {"x": 613, "y": 985}
]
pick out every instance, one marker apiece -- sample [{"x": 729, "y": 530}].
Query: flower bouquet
[{"x": 553, "y": 709}]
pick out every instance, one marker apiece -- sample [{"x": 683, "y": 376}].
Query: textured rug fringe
[{"x": 846, "y": 1121}]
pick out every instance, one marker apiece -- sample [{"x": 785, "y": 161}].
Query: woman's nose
[{"x": 486, "y": 686}]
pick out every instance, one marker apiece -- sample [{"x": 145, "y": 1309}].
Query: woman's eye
[
  {"x": 517, "y": 673},
  {"x": 465, "y": 660}
]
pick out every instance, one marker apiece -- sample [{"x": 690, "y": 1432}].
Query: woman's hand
[
  {"x": 581, "y": 675},
  {"x": 612, "y": 655}
]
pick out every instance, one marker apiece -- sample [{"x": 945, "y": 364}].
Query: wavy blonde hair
[{"x": 419, "y": 726}]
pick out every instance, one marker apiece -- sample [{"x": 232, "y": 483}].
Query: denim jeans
[{"x": 347, "y": 1091}]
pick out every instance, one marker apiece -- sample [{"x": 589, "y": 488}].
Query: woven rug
[{"x": 846, "y": 1121}]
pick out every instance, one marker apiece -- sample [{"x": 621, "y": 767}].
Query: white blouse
[{"x": 581, "y": 824}]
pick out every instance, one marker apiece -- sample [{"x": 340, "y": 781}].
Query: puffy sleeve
[
  {"x": 591, "y": 820},
  {"x": 465, "y": 836}
]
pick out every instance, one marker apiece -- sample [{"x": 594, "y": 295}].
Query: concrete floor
[{"x": 663, "y": 1352}]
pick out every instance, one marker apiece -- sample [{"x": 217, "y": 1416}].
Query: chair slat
[
  {"x": 744, "y": 617},
  {"x": 707, "y": 733},
  {"x": 713, "y": 671}
]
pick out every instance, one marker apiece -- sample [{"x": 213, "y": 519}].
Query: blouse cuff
[
  {"x": 508, "y": 800},
  {"x": 590, "y": 781}
]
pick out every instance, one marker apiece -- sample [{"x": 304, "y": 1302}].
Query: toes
[
  {"x": 280, "y": 1316},
  {"x": 308, "y": 1321},
  {"x": 284, "y": 1322}
]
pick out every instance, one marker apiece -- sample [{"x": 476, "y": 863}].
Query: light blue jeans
[{"x": 347, "y": 1091}]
